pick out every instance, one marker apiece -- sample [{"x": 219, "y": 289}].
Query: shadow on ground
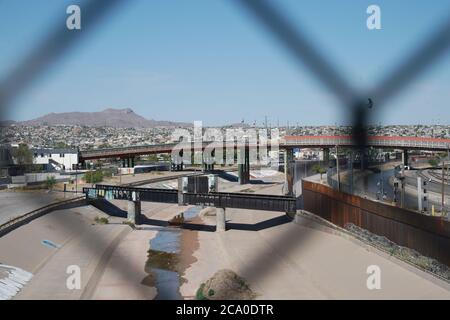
[{"x": 112, "y": 210}]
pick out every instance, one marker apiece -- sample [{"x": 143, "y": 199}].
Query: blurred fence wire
[{"x": 56, "y": 45}]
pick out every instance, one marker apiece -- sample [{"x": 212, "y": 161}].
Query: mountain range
[{"x": 119, "y": 118}]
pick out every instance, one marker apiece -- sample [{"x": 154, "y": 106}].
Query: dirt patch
[
  {"x": 149, "y": 280},
  {"x": 225, "y": 285}
]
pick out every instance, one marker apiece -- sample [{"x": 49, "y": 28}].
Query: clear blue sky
[{"x": 186, "y": 60}]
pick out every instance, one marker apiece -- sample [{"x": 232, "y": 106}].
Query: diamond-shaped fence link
[{"x": 354, "y": 103}]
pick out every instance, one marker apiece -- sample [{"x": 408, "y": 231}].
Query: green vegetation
[
  {"x": 199, "y": 294},
  {"x": 317, "y": 168},
  {"x": 433, "y": 162},
  {"x": 62, "y": 145},
  {"x": 165, "y": 157},
  {"x": 23, "y": 155},
  {"x": 104, "y": 146},
  {"x": 131, "y": 224},
  {"x": 101, "y": 220},
  {"x": 94, "y": 176},
  {"x": 50, "y": 182},
  {"x": 152, "y": 158},
  {"x": 107, "y": 173},
  {"x": 36, "y": 168}
]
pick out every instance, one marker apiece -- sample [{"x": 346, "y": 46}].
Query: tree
[
  {"x": 50, "y": 182},
  {"x": 61, "y": 145},
  {"x": 93, "y": 176},
  {"x": 317, "y": 168},
  {"x": 153, "y": 157},
  {"x": 433, "y": 162},
  {"x": 23, "y": 155}
]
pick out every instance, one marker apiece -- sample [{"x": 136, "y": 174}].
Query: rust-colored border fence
[{"x": 428, "y": 235}]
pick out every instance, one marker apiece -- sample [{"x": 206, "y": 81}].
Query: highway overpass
[{"x": 288, "y": 142}]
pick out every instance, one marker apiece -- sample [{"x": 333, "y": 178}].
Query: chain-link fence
[{"x": 354, "y": 103}]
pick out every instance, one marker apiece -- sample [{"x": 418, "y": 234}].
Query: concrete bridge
[
  {"x": 288, "y": 142},
  {"x": 382, "y": 142}
]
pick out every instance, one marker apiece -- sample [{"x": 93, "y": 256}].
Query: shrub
[
  {"x": 433, "y": 162},
  {"x": 101, "y": 220},
  {"x": 199, "y": 295},
  {"x": 50, "y": 182},
  {"x": 94, "y": 176}
]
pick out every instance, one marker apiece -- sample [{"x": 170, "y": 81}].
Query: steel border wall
[{"x": 428, "y": 235}]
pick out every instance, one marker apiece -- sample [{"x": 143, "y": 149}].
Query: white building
[{"x": 58, "y": 159}]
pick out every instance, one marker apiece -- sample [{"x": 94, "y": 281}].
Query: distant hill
[
  {"x": 6, "y": 123},
  {"x": 119, "y": 118}
]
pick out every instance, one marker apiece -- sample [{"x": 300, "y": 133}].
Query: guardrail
[{"x": 29, "y": 216}]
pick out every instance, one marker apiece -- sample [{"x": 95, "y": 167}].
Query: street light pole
[
  {"x": 76, "y": 179},
  {"x": 337, "y": 169},
  {"x": 443, "y": 183}
]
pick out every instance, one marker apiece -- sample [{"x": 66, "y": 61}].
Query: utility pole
[
  {"x": 76, "y": 170},
  {"x": 120, "y": 176},
  {"x": 76, "y": 178},
  {"x": 402, "y": 196},
  {"x": 419, "y": 194},
  {"x": 443, "y": 183},
  {"x": 443, "y": 188},
  {"x": 351, "y": 170},
  {"x": 337, "y": 169}
]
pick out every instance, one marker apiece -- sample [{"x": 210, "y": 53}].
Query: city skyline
[{"x": 210, "y": 61}]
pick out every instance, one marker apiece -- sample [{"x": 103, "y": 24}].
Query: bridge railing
[
  {"x": 410, "y": 143},
  {"x": 213, "y": 199},
  {"x": 319, "y": 141},
  {"x": 390, "y": 142}
]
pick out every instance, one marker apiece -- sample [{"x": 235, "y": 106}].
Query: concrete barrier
[{"x": 29, "y": 216}]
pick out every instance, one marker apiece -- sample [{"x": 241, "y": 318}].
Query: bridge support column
[
  {"x": 405, "y": 158},
  {"x": 247, "y": 165},
  {"x": 208, "y": 167},
  {"x": 221, "y": 220},
  {"x": 244, "y": 167},
  {"x": 207, "y": 164},
  {"x": 134, "y": 212},
  {"x": 288, "y": 177},
  {"x": 326, "y": 156},
  {"x": 241, "y": 173},
  {"x": 176, "y": 166}
]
